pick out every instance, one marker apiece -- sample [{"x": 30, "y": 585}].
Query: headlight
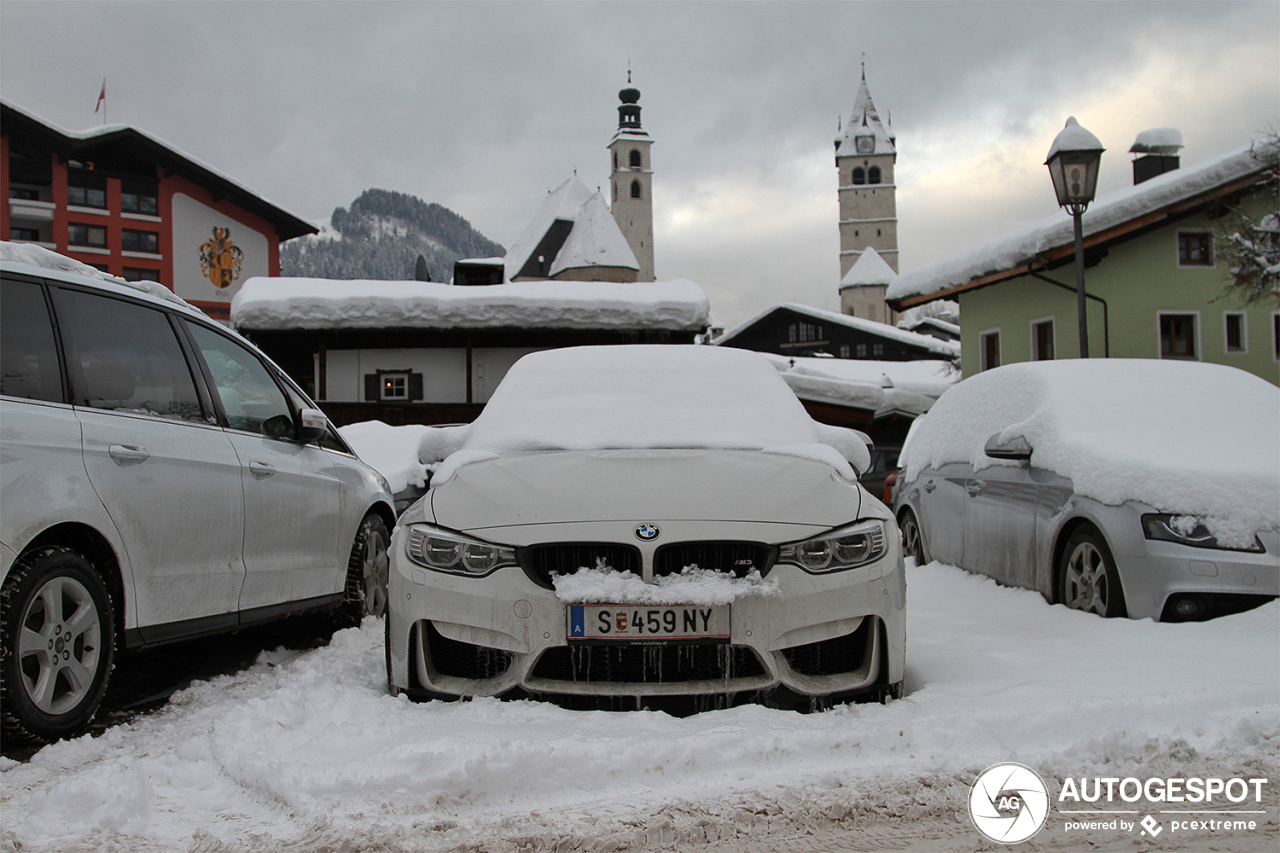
[
  {"x": 1186, "y": 530},
  {"x": 449, "y": 552},
  {"x": 844, "y": 548}
]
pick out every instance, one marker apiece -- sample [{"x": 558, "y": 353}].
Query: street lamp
[{"x": 1073, "y": 165}]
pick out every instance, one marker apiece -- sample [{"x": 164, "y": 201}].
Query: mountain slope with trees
[{"x": 381, "y": 235}]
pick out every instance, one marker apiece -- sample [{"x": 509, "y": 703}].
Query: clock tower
[
  {"x": 632, "y": 181},
  {"x": 866, "y": 151}
]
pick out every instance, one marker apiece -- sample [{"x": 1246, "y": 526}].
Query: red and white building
[{"x": 133, "y": 206}]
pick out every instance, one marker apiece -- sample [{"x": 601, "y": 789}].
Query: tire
[
  {"x": 1087, "y": 576},
  {"x": 367, "y": 572},
  {"x": 912, "y": 541},
  {"x": 58, "y": 645}
]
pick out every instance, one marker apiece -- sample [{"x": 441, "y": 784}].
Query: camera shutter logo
[{"x": 1008, "y": 803}]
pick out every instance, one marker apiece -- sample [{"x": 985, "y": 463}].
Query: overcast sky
[{"x": 484, "y": 106}]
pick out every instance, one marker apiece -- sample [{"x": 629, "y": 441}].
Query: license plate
[{"x": 638, "y": 622}]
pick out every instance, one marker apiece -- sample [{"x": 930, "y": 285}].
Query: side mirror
[
  {"x": 1015, "y": 448},
  {"x": 313, "y": 425}
]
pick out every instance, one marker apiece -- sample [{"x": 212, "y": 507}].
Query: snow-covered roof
[
  {"x": 882, "y": 387},
  {"x": 1020, "y": 246},
  {"x": 562, "y": 204},
  {"x": 595, "y": 241},
  {"x": 944, "y": 349},
  {"x": 869, "y": 269},
  {"x": 300, "y": 225},
  {"x": 951, "y": 330},
  {"x": 316, "y": 303},
  {"x": 1121, "y": 429},
  {"x": 864, "y": 121}
]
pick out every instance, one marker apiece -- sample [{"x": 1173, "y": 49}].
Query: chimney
[{"x": 1158, "y": 148}]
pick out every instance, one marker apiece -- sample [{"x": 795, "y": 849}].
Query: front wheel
[
  {"x": 367, "y": 571},
  {"x": 58, "y": 645},
  {"x": 1088, "y": 579},
  {"x": 912, "y": 543}
]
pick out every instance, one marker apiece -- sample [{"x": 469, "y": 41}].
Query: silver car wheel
[
  {"x": 367, "y": 572},
  {"x": 59, "y": 645},
  {"x": 1088, "y": 577},
  {"x": 912, "y": 543}
]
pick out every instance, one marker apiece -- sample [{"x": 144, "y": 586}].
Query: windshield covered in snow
[
  {"x": 1185, "y": 437},
  {"x": 636, "y": 397}
]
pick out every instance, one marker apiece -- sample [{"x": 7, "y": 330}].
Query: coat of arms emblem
[{"x": 220, "y": 258}]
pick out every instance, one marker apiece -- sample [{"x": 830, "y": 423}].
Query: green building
[{"x": 1156, "y": 287}]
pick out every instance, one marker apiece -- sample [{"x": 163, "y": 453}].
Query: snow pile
[
  {"x": 883, "y": 387},
  {"x": 636, "y": 397},
  {"x": 316, "y": 303},
  {"x": 391, "y": 451},
  {"x": 1021, "y": 244},
  {"x": 306, "y": 751},
  {"x": 1184, "y": 437},
  {"x": 694, "y": 585}
]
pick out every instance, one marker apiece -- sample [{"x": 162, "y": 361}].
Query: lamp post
[{"x": 1073, "y": 164}]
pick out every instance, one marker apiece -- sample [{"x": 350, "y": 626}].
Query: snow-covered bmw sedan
[{"x": 646, "y": 521}]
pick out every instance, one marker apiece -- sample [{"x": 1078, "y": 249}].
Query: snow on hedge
[
  {"x": 1017, "y": 246},
  {"x": 1184, "y": 437},
  {"x": 318, "y": 303},
  {"x": 645, "y": 396}
]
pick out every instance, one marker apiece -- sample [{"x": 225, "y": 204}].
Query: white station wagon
[
  {"x": 160, "y": 479},
  {"x": 627, "y": 523}
]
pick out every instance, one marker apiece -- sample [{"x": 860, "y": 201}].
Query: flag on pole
[{"x": 102, "y": 95}]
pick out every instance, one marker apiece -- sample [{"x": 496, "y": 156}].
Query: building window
[
  {"x": 635, "y": 189},
  {"x": 1178, "y": 336},
  {"x": 140, "y": 241},
  {"x": 87, "y": 235},
  {"x": 31, "y": 235},
  {"x": 989, "y": 350},
  {"x": 395, "y": 386},
  {"x": 140, "y": 274},
  {"x": 1234, "y": 331},
  {"x": 862, "y": 350},
  {"x": 1275, "y": 336},
  {"x": 1042, "y": 340},
  {"x": 87, "y": 197},
  {"x": 1195, "y": 249},
  {"x": 877, "y": 349},
  {"x": 615, "y": 162},
  {"x": 844, "y": 350},
  {"x": 24, "y": 193},
  {"x": 635, "y": 159},
  {"x": 139, "y": 203},
  {"x": 859, "y": 176},
  {"x": 392, "y": 386},
  {"x": 873, "y": 175}
]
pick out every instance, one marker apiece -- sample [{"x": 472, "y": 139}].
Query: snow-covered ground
[{"x": 307, "y": 751}]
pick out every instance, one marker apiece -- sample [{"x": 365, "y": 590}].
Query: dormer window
[{"x": 859, "y": 176}]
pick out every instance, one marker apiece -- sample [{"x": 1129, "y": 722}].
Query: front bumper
[{"x": 821, "y": 635}]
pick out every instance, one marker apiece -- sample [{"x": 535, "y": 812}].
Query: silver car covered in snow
[
  {"x": 652, "y": 521},
  {"x": 1121, "y": 487}
]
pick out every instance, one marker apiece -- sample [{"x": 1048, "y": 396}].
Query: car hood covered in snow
[{"x": 641, "y": 485}]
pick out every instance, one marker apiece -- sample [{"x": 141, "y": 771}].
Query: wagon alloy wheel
[
  {"x": 1089, "y": 579},
  {"x": 912, "y": 544},
  {"x": 367, "y": 571},
  {"x": 58, "y": 644}
]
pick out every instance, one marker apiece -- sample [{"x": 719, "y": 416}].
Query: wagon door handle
[
  {"x": 261, "y": 470},
  {"x": 128, "y": 454},
  {"x": 974, "y": 487},
  {"x": 929, "y": 486}
]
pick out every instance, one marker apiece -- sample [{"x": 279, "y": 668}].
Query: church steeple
[
  {"x": 866, "y": 153},
  {"x": 632, "y": 180}
]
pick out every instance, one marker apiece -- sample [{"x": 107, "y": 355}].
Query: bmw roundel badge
[{"x": 647, "y": 532}]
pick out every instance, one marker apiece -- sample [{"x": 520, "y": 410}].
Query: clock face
[{"x": 865, "y": 144}]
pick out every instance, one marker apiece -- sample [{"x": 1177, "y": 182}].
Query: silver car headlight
[
  {"x": 843, "y": 548},
  {"x": 452, "y": 552},
  {"x": 1187, "y": 531}
]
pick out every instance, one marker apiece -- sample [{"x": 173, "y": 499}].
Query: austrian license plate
[{"x": 639, "y": 622}]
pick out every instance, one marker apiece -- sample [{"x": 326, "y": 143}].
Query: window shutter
[
  {"x": 415, "y": 387},
  {"x": 371, "y": 394}
]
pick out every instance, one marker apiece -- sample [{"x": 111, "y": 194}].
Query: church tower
[
  {"x": 866, "y": 151},
  {"x": 632, "y": 181}
]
